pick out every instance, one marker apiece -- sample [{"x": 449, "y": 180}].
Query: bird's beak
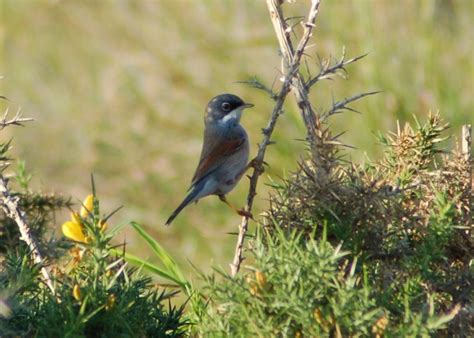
[{"x": 247, "y": 105}]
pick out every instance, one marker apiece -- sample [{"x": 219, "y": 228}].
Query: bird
[{"x": 224, "y": 155}]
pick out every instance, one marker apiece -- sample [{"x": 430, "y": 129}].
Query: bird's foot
[
  {"x": 257, "y": 165},
  {"x": 245, "y": 213}
]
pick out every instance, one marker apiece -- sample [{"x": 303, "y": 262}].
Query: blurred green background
[{"x": 118, "y": 89}]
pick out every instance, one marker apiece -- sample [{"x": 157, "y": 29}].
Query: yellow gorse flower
[
  {"x": 76, "y": 254},
  {"x": 261, "y": 279},
  {"x": 76, "y": 292},
  {"x": 87, "y": 206},
  {"x": 103, "y": 225},
  {"x": 379, "y": 327},
  {"x": 74, "y": 229},
  {"x": 76, "y": 218},
  {"x": 110, "y": 302}
]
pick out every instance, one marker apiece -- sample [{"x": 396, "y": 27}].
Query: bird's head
[{"x": 225, "y": 109}]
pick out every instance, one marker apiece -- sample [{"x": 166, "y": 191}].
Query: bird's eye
[{"x": 226, "y": 106}]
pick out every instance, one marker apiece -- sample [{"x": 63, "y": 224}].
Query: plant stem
[
  {"x": 12, "y": 210},
  {"x": 291, "y": 72}
]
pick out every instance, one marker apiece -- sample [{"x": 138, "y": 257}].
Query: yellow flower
[
  {"x": 253, "y": 289},
  {"x": 76, "y": 254},
  {"x": 76, "y": 218},
  {"x": 261, "y": 279},
  {"x": 87, "y": 206},
  {"x": 318, "y": 316},
  {"x": 74, "y": 231},
  {"x": 76, "y": 292},
  {"x": 379, "y": 327},
  {"x": 103, "y": 225},
  {"x": 110, "y": 302}
]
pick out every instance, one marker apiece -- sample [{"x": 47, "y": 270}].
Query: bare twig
[
  {"x": 10, "y": 206},
  {"x": 16, "y": 120},
  {"x": 293, "y": 62},
  {"x": 326, "y": 70},
  {"x": 466, "y": 149},
  {"x": 289, "y": 54},
  {"x": 466, "y": 142},
  {"x": 339, "y": 106},
  {"x": 255, "y": 83}
]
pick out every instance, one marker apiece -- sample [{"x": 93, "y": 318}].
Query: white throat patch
[{"x": 233, "y": 117}]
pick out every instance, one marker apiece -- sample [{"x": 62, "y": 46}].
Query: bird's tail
[{"x": 189, "y": 198}]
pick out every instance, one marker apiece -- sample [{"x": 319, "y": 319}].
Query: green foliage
[
  {"x": 296, "y": 287},
  {"x": 107, "y": 305},
  {"x": 39, "y": 208},
  {"x": 171, "y": 270},
  {"x": 301, "y": 286},
  {"x": 96, "y": 293}
]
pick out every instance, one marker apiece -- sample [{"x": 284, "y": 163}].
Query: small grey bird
[{"x": 224, "y": 155}]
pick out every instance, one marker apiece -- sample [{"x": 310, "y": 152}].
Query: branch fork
[{"x": 293, "y": 60}]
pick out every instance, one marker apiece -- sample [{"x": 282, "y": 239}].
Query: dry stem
[
  {"x": 326, "y": 70},
  {"x": 289, "y": 55},
  {"x": 12, "y": 210},
  {"x": 16, "y": 120},
  {"x": 340, "y": 106},
  {"x": 466, "y": 143},
  {"x": 293, "y": 61},
  {"x": 466, "y": 149}
]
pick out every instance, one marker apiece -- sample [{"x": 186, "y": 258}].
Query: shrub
[
  {"x": 406, "y": 217},
  {"x": 296, "y": 287},
  {"x": 346, "y": 250},
  {"x": 96, "y": 293}
]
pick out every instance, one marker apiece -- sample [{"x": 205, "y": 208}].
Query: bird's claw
[
  {"x": 257, "y": 165},
  {"x": 245, "y": 213}
]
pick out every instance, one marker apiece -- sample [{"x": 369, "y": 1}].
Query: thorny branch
[
  {"x": 9, "y": 203},
  {"x": 16, "y": 120},
  {"x": 254, "y": 83},
  {"x": 291, "y": 71},
  {"x": 10, "y": 206},
  {"x": 321, "y": 141},
  {"x": 289, "y": 54},
  {"x": 326, "y": 70},
  {"x": 339, "y": 106},
  {"x": 318, "y": 136}
]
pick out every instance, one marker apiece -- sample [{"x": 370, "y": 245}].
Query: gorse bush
[
  {"x": 39, "y": 208},
  {"x": 407, "y": 218},
  {"x": 346, "y": 250},
  {"x": 96, "y": 293},
  {"x": 295, "y": 288}
]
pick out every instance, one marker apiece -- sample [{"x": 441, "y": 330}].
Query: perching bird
[{"x": 224, "y": 154}]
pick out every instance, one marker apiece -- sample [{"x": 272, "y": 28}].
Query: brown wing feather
[{"x": 215, "y": 151}]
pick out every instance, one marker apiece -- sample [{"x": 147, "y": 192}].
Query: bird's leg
[{"x": 241, "y": 212}]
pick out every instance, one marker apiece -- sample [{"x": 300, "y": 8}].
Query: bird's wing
[{"x": 215, "y": 150}]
